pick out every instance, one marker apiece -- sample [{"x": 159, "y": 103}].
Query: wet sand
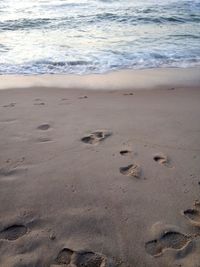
[{"x": 100, "y": 177}]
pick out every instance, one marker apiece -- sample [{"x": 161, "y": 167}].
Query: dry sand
[{"x": 100, "y": 178}]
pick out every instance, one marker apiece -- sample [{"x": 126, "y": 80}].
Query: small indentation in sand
[
  {"x": 13, "y": 232},
  {"x": 44, "y": 139},
  {"x": 39, "y": 104},
  {"x": 8, "y": 121},
  {"x": 128, "y": 94},
  {"x": 83, "y": 97},
  {"x": 7, "y": 172},
  {"x": 125, "y": 152},
  {"x": 10, "y": 173},
  {"x": 96, "y": 137},
  {"x": 64, "y": 101},
  {"x": 171, "y": 239},
  {"x": 43, "y": 127},
  {"x": 133, "y": 170}
]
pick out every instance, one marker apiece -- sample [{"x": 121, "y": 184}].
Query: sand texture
[{"x": 99, "y": 178}]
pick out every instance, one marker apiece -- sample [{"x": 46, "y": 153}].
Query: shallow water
[{"x": 57, "y": 36}]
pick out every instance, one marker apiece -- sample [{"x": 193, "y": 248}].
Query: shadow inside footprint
[
  {"x": 96, "y": 137},
  {"x": 13, "y": 232},
  {"x": 170, "y": 239},
  {"x": 43, "y": 127},
  {"x": 133, "y": 170},
  {"x": 64, "y": 256}
]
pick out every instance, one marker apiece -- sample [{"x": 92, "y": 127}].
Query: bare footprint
[
  {"x": 43, "y": 127},
  {"x": 11, "y": 105},
  {"x": 68, "y": 257},
  {"x": 171, "y": 239},
  {"x": 90, "y": 259},
  {"x": 96, "y": 137},
  {"x": 64, "y": 256},
  {"x": 162, "y": 159},
  {"x": 133, "y": 170},
  {"x": 193, "y": 215},
  {"x": 13, "y": 232}
]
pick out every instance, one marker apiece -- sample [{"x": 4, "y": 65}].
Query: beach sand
[{"x": 100, "y": 178}]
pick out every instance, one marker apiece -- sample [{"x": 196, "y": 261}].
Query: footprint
[
  {"x": 64, "y": 101},
  {"x": 12, "y": 167},
  {"x": 11, "y": 105},
  {"x": 128, "y": 94},
  {"x": 68, "y": 257},
  {"x": 124, "y": 152},
  {"x": 90, "y": 259},
  {"x": 39, "y": 104},
  {"x": 96, "y": 137},
  {"x": 171, "y": 239},
  {"x": 43, "y": 127},
  {"x": 133, "y": 170},
  {"x": 193, "y": 215},
  {"x": 64, "y": 256},
  {"x": 83, "y": 97},
  {"x": 44, "y": 139},
  {"x": 9, "y": 173},
  {"x": 161, "y": 159},
  {"x": 13, "y": 232}
]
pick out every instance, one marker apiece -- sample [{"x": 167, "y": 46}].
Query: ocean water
[{"x": 97, "y": 36}]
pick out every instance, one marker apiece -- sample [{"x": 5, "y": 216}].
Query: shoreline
[{"x": 127, "y": 79}]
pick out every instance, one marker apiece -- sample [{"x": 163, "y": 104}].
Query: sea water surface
[{"x": 96, "y": 36}]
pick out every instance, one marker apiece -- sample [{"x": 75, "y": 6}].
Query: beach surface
[{"x": 97, "y": 178}]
